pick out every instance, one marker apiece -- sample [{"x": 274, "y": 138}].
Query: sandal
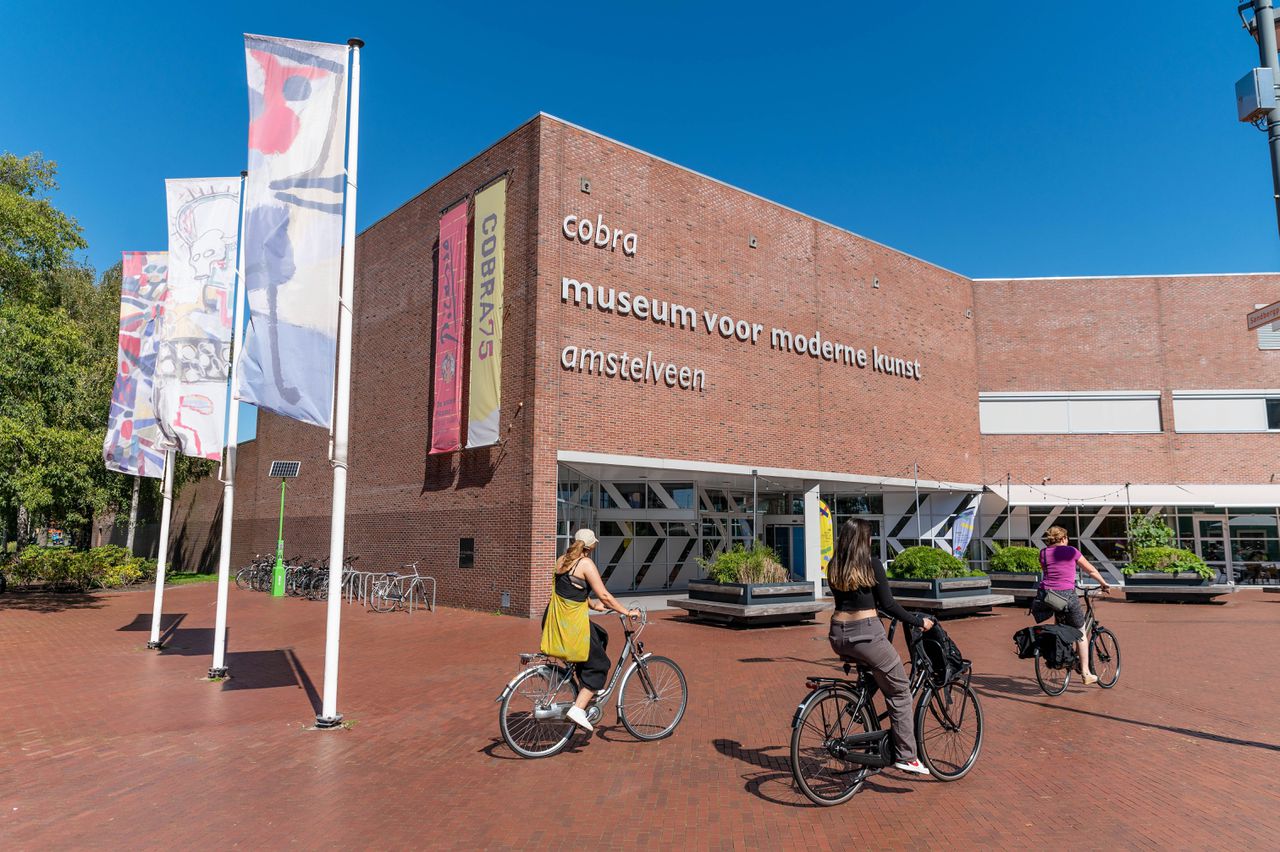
[{"x": 1090, "y": 679}]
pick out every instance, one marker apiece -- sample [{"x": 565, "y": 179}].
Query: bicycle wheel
[
  {"x": 1104, "y": 657},
  {"x": 382, "y": 599},
  {"x": 1052, "y": 681},
  {"x": 652, "y": 698},
  {"x": 821, "y": 774},
  {"x": 242, "y": 578},
  {"x": 526, "y": 716},
  {"x": 949, "y": 730}
]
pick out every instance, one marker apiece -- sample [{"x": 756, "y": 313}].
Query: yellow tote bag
[{"x": 565, "y": 633}]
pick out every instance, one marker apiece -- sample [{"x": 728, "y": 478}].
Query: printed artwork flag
[
  {"x": 826, "y": 535},
  {"x": 487, "y": 265},
  {"x": 451, "y": 295},
  {"x": 293, "y": 224},
  {"x": 962, "y": 530},
  {"x": 193, "y": 364},
  {"x": 134, "y": 443}
]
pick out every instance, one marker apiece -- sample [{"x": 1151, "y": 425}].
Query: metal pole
[
  {"x": 330, "y": 717},
  {"x": 133, "y": 516},
  {"x": 163, "y": 556},
  {"x": 755, "y": 507},
  {"x": 916, "y": 473},
  {"x": 219, "y": 666},
  {"x": 277, "y": 573},
  {"x": 1265, "y": 24},
  {"x": 1008, "y": 509}
]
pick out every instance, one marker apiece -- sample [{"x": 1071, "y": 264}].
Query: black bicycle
[
  {"x": 836, "y": 734},
  {"x": 1104, "y": 653}
]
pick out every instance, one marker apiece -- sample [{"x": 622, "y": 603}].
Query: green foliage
[
  {"x": 1149, "y": 532},
  {"x": 759, "y": 564},
  {"x": 1168, "y": 560},
  {"x": 58, "y": 337},
  {"x": 928, "y": 563},
  {"x": 63, "y": 568},
  {"x": 1016, "y": 559}
]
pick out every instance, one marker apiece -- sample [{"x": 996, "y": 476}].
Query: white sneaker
[
  {"x": 578, "y": 716},
  {"x": 915, "y": 767}
]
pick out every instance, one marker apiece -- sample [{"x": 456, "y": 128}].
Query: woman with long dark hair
[{"x": 860, "y": 587}]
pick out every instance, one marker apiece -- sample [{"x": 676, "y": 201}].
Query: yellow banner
[
  {"x": 826, "y": 535},
  {"x": 488, "y": 250}
]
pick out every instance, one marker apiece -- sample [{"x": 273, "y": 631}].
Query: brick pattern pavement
[{"x": 109, "y": 745}]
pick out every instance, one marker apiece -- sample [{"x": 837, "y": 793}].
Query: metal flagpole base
[
  {"x": 325, "y": 723},
  {"x": 155, "y": 646},
  {"x": 218, "y": 673}
]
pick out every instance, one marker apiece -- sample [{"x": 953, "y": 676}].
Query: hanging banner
[
  {"x": 487, "y": 265},
  {"x": 293, "y": 224},
  {"x": 134, "y": 443},
  {"x": 451, "y": 295},
  {"x": 962, "y": 529},
  {"x": 193, "y": 364},
  {"x": 826, "y": 535}
]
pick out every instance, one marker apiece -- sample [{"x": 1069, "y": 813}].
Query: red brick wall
[
  {"x": 760, "y": 406},
  {"x": 1162, "y": 333}
]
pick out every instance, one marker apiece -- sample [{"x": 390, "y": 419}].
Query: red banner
[{"x": 451, "y": 299}]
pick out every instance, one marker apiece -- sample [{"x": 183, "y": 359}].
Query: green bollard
[{"x": 277, "y": 573}]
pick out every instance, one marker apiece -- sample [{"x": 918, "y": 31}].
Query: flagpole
[
  {"x": 329, "y": 716},
  {"x": 163, "y": 558},
  {"x": 219, "y": 667}
]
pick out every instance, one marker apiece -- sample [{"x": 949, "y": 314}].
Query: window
[
  {"x": 1226, "y": 410},
  {"x": 466, "y": 553},
  {"x": 1268, "y": 335},
  {"x": 1069, "y": 412}
]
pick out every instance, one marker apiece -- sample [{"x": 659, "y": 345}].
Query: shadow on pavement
[
  {"x": 1000, "y": 685},
  {"x": 775, "y": 784},
  {"x": 187, "y": 642},
  {"x": 142, "y": 624},
  {"x": 1173, "y": 729},
  {"x": 42, "y": 601}
]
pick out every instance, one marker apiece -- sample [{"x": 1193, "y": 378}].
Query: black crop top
[{"x": 878, "y": 597}]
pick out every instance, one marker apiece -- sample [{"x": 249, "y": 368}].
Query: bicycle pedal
[{"x": 594, "y": 713}]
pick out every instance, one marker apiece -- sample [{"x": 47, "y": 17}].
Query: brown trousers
[{"x": 863, "y": 642}]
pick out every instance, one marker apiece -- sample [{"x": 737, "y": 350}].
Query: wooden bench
[
  {"x": 1178, "y": 594},
  {"x": 967, "y": 605},
  {"x": 753, "y": 614}
]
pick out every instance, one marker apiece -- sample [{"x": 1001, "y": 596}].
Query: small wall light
[
  {"x": 875, "y": 282},
  {"x": 584, "y": 185},
  {"x": 751, "y": 241}
]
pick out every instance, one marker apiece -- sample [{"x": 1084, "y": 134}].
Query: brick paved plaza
[{"x": 107, "y": 744}]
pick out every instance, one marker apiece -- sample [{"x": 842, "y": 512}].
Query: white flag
[
  {"x": 193, "y": 363},
  {"x": 293, "y": 224}
]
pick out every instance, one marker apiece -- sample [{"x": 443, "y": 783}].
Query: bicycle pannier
[
  {"x": 566, "y": 633},
  {"x": 1024, "y": 641},
  {"x": 945, "y": 658}
]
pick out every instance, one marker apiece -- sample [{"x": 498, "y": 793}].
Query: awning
[{"x": 1117, "y": 494}]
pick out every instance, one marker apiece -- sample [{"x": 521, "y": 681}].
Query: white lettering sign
[{"x": 598, "y": 234}]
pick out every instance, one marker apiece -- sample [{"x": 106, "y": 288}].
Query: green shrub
[
  {"x": 1016, "y": 559},
  {"x": 1149, "y": 532},
  {"x": 63, "y": 568},
  {"x": 1168, "y": 560},
  {"x": 928, "y": 563},
  {"x": 759, "y": 564}
]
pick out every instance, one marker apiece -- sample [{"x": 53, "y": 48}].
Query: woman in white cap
[{"x": 575, "y": 579}]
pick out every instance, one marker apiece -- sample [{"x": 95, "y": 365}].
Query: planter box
[
  {"x": 1159, "y": 578},
  {"x": 750, "y": 594},
  {"x": 1010, "y": 580},
  {"x": 942, "y": 589}
]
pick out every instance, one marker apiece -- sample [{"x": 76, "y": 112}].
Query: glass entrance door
[{"x": 1211, "y": 542}]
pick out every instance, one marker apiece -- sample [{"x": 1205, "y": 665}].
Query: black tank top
[{"x": 567, "y": 587}]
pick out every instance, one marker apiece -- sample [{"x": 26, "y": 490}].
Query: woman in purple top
[{"x": 1058, "y": 561}]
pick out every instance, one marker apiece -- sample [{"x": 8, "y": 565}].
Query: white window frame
[
  {"x": 1067, "y": 398},
  {"x": 1261, "y": 394}
]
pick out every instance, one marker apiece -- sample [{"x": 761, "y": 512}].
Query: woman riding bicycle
[
  {"x": 1059, "y": 560},
  {"x": 576, "y": 578},
  {"x": 860, "y": 587}
]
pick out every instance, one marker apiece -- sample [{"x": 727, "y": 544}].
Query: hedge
[
  {"x": 1016, "y": 560},
  {"x": 1167, "y": 560},
  {"x": 106, "y": 567}
]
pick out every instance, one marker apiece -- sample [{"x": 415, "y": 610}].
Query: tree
[{"x": 37, "y": 241}]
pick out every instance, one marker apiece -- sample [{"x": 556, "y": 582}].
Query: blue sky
[{"x": 990, "y": 138}]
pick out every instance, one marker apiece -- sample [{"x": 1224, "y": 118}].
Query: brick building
[{"x": 686, "y": 365}]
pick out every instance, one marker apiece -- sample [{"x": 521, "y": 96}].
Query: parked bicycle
[
  {"x": 651, "y": 698},
  {"x": 1104, "y": 652},
  {"x": 837, "y": 740},
  {"x": 399, "y": 591}
]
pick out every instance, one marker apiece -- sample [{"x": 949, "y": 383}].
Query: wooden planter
[
  {"x": 749, "y": 594},
  {"x": 751, "y": 603},
  {"x": 1010, "y": 580},
  {"x": 1160, "y": 578},
  {"x": 942, "y": 589}
]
